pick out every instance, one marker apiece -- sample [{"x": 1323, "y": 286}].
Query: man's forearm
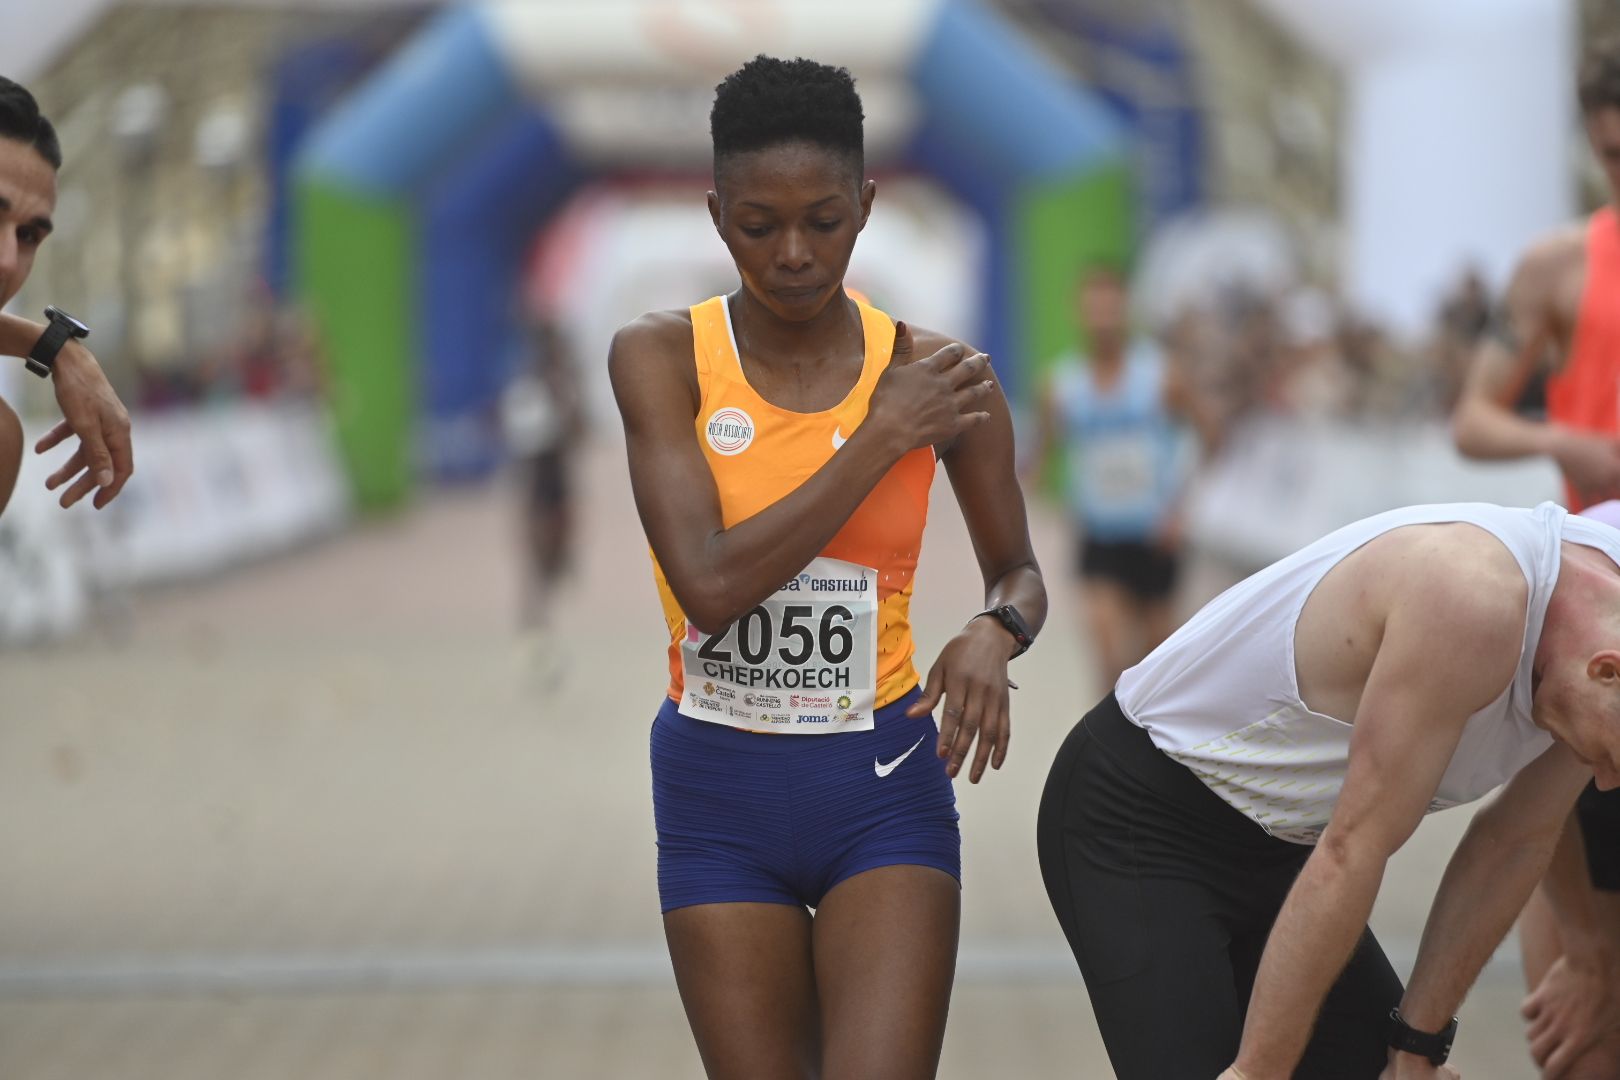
[
  {"x": 1484, "y": 889},
  {"x": 18, "y": 336},
  {"x": 1484, "y": 429},
  {"x": 1311, "y": 941}
]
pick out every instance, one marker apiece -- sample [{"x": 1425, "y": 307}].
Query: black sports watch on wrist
[
  {"x": 1436, "y": 1046},
  {"x": 1013, "y": 623},
  {"x": 61, "y": 326}
]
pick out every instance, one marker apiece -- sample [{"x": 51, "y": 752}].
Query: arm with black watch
[
  {"x": 92, "y": 415},
  {"x": 1013, "y": 623},
  {"x": 60, "y": 328},
  {"x": 1433, "y": 1045}
]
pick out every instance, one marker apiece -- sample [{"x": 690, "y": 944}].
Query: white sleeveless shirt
[{"x": 1221, "y": 695}]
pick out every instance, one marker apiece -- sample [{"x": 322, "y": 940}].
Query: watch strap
[
  {"x": 1014, "y": 624},
  {"x": 1435, "y": 1045},
  {"x": 41, "y": 359}
]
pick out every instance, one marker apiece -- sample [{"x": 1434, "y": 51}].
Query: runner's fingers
[
  {"x": 1558, "y": 1062},
  {"x": 53, "y": 437},
  {"x": 989, "y": 736},
  {"x": 947, "y": 358},
  {"x": 992, "y": 732},
  {"x": 81, "y": 487},
  {"x": 1003, "y": 737},
  {"x": 930, "y": 695},
  {"x": 970, "y": 372},
  {"x": 967, "y": 727},
  {"x": 970, "y": 420},
  {"x": 1531, "y": 1007},
  {"x": 950, "y": 716},
  {"x": 69, "y": 469},
  {"x": 1542, "y": 1047}
]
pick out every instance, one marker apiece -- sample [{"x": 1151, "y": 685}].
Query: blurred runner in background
[
  {"x": 543, "y": 421},
  {"x": 1120, "y": 412}
]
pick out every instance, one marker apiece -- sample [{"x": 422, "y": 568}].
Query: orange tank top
[
  {"x": 796, "y": 662},
  {"x": 1585, "y": 394}
]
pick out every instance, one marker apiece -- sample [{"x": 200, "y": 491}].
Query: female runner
[{"x": 781, "y": 443}]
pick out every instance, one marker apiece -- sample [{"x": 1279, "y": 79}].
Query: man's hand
[
  {"x": 1572, "y": 1008},
  {"x": 90, "y": 410}
]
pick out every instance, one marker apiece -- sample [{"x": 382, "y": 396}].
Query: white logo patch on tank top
[{"x": 730, "y": 430}]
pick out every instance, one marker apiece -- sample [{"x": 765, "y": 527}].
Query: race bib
[
  {"x": 804, "y": 661},
  {"x": 1117, "y": 470}
]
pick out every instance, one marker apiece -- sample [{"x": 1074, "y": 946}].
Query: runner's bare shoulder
[
  {"x": 926, "y": 342},
  {"x": 651, "y": 358}
]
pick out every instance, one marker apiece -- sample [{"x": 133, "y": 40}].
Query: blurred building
[{"x": 173, "y": 127}]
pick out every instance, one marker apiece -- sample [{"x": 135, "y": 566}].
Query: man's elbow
[
  {"x": 1352, "y": 850},
  {"x": 11, "y": 452},
  {"x": 1465, "y": 430}
]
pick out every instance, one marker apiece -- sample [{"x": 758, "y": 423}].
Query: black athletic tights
[{"x": 1166, "y": 895}]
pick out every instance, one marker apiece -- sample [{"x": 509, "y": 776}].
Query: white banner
[{"x": 212, "y": 488}]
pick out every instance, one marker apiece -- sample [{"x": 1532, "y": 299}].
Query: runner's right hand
[
  {"x": 1590, "y": 462},
  {"x": 924, "y": 402}
]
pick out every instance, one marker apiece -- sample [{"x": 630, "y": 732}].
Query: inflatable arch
[{"x": 415, "y": 200}]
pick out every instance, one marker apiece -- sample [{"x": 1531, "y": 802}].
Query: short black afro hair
[
  {"x": 1598, "y": 84},
  {"x": 20, "y": 120},
  {"x": 769, "y": 101}
]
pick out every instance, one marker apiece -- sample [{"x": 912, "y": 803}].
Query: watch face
[{"x": 77, "y": 328}]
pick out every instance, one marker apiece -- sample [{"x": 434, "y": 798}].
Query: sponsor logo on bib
[{"x": 730, "y": 431}]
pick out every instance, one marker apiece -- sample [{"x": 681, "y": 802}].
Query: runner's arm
[
  {"x": 1484, "y": 424},
  {"x": 1443, "y": 634},
  {"x": 105, "y": 457},
  {"x": 1495, "y": 868},
  {"x": 971, "y": 671},
  {"x": 718, "y": 573}
]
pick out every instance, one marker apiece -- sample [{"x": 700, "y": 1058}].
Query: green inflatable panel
[
  {"x": 1064, "y": 227},
  {"x": 356, "y": 258}
]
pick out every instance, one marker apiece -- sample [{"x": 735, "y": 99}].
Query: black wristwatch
[
  {"x": 1015, "y": 625},
  {"x": 1436, "y": 1046},
  {"x": 41, "y": 359}
]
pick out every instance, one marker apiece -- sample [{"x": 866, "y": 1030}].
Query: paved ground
[{"x": 329, "y": 819}]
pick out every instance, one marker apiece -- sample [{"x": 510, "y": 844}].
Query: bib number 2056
[
  {"x": 756, "y": 633},
  {"x": 804, "y": 660}
]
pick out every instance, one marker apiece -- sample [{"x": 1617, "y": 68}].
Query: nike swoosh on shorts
[
  {"x": 884, "y": 770},
  {"x": 838, "y": 438}
]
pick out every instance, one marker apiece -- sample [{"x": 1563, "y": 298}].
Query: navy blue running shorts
[{"x": 781, "y": 819}]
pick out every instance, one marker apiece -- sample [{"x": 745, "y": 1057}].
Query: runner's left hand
[
  {"x": 971, "y": 677},
  {"x": 1570, "y": 1009},
  {"x": 92, "y": 411}
]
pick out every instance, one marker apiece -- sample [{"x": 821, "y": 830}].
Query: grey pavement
[{"x": 332, "y": 818}]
